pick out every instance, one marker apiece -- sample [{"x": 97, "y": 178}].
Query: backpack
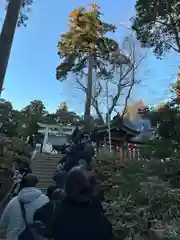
[
  {"x": 26, "y": 234},
  {"x": 44, "y": 230}
]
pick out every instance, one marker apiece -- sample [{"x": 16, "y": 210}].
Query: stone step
[
  {"x": 44, "y": 187},
  {"x": 45, "y": 184},
  {"x": 46, "y": 160},
  {"x": 45, "y": 164},
  {"x": 44, "y": 167},
  {"x": 52, "y": 157},
  {"x": 44, "y": 172},
  {"x": 43, "y": 179},
  {"x": 51, "y": 165}
]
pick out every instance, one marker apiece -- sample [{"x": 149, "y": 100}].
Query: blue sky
[{"x": 33, "y": 61}]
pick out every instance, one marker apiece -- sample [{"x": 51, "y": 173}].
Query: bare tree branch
[
  {"x": 128, "y": 84},
  {"x": 81, "y": 86},
  {"x": 126, "y": 80},
  {"x": 129, "y": 93}
]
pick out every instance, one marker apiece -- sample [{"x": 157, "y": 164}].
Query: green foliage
[
  {"x": 32, "y": 114},
  {"x": 161, "y": 148},
  {"x": 166, "y": 120},
  {"x": 65, "y": 117},
  {"x": 14, "y": 150},
  {"x": 141, "y": 198},
  {"x": 25, "y": 122},
  {"x": 35, "y": 107},
  {"x": 25, "y": 8},
  {"x": 7, "y": 118},
  {"x": 157, "y": 25}
]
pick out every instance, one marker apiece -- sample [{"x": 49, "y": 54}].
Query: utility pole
[
  {"x": 108, "y": 122},
  {"x": 7, "y": 36}
]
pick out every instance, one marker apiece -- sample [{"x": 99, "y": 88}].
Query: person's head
[
  {"x": 58, "y": 194},
  {"x": 50, "y": 191},
  {"x": 77, "y": 185},
  {"x": 77, "y": 136},
  {"x": 30, "y": 180}
]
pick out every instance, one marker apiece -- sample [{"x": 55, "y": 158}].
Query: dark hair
[
  {"x": 30, "y": 180},
  {"x": 77, "y": 186},
  {"x": 77, "y": 135}
]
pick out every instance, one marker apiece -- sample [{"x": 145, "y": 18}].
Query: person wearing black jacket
[
  {"x": 44, "y": 216},
  {"x": 77, "y": 217}
]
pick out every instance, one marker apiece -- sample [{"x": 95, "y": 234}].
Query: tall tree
[
  {"x": 64, "y": 116},
  {"x": 35, "y": 107},
  {"x": 166, "y": 120},
  {"x": 8, "y": 118},
  {"x": 157, "y": 24},
  {"x": 15, "y": 15},
  {"x": 85, "y": 46},
  {"x": 33, "y": 113}
]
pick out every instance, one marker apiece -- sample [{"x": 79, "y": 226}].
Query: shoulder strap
[
  {"x": 53, "y": 213},
  {"x": 23, "y": 211}
]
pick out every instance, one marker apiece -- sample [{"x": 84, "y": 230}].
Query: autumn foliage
[{"x": 86, "y": 34}]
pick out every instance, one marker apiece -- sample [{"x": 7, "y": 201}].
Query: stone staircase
[{"x": 44, "y": 166}]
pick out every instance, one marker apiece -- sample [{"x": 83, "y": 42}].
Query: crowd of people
[{"x": 71, "y": 208}]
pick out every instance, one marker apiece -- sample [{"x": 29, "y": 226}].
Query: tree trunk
[
  {"x": 87, "y": 112},
  {"x": 7, "y": 35}
]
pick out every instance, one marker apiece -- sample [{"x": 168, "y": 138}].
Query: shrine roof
[
  {"x": 119, "y": 124},
  {"x": 143, "y": 136},
  {"x": 44, "y": 125}
]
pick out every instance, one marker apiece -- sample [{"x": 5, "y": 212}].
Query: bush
[
  {"x": 141, "y": 199},
  {"x": 12, "y": 151}
]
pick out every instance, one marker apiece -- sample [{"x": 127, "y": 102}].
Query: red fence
[{"x": 132, "y": 153}]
